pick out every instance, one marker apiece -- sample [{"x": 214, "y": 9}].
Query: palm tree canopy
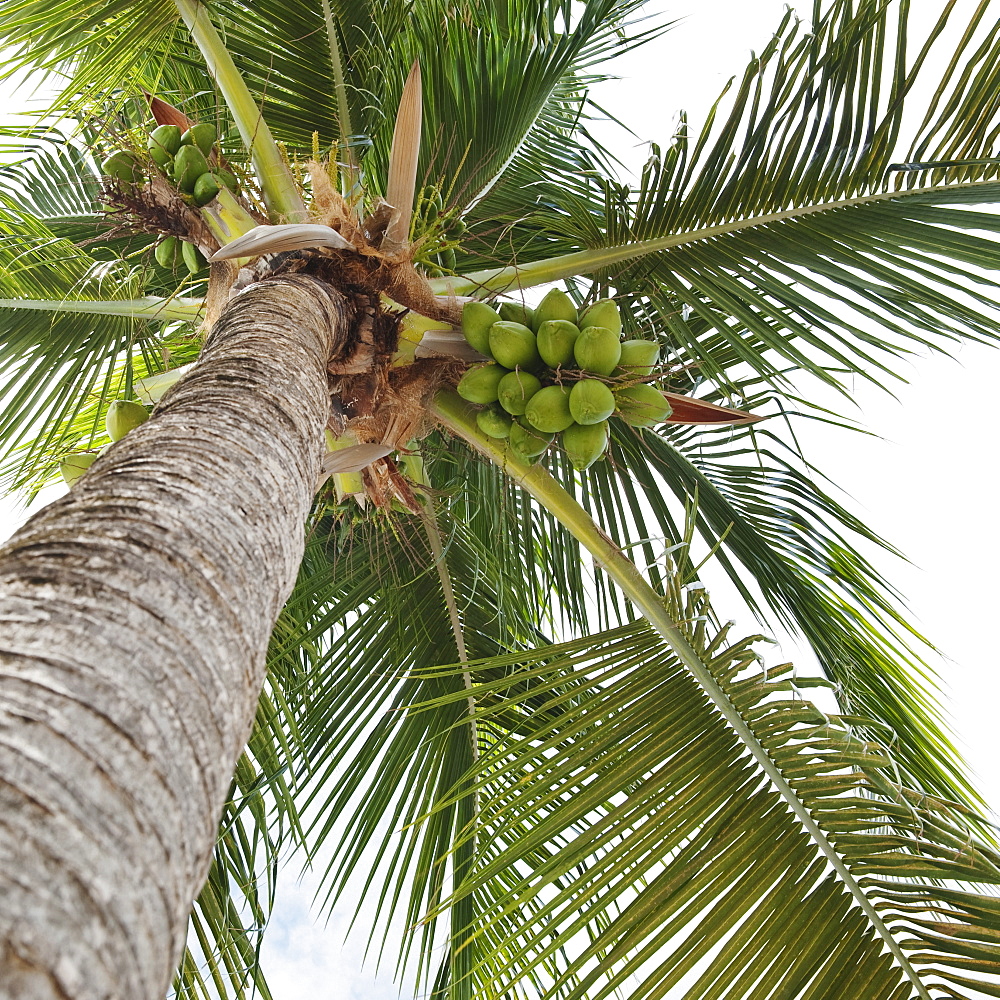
[{"x": 638, "y": 804}]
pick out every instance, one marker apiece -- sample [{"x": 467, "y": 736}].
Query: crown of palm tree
[{"x": 643, "y": 806}]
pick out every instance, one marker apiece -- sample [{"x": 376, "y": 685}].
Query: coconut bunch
[
  {"x": 556, "y": 372},
  {"x": 190, "y": 161},
  {"x": 123, "y": 416},
  {"x": 435, "y": 233}
]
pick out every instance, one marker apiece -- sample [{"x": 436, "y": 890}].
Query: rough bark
[{"x": 134, "y": 619}]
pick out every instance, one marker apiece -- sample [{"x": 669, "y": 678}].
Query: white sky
[{"x": 928, "y": 482}]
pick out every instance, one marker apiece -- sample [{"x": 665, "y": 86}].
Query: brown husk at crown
[
  {"x": 374, "y": 400},
  {"x": 391, "y": 274}
]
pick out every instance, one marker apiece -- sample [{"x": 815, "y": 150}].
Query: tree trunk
[{"x": 135, "y": 615}]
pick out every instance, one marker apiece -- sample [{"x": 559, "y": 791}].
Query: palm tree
[{"x": 551, "y": 776}]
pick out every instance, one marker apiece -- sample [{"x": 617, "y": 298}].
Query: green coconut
[
  {"x": 163, "y": 143},
  {"x": 189, "y": 165},
  {"x": 642, "y": 405},
  {"x": 513, "y": 345},
  {"x": 585, "y": 444},
  {"x": 494, "y": 421},
  {"x": 166, "y": 252},
  {"x": 548, "y": 410},
  {"x": 591, "y": 401},
  {"x": 205, "y": 189},
  {"x": 556, "y": 338},
  {"x": 597, "y": 350},
  {"x": 477, "y": 318},
  {"x": 194, "y": 259},
  {"x": 526, "y": 442},
  {"x": 124, "y": 166},
  {"x": 124, "y": 416},
  {"x": 481, "y": 384},
  {"x": 639, "y": 358},
  {"x": 226, "y": 179},
  {"x": 515, "y": 389},
  {"x": 604, "y": 312},
  {"x": 74, "y": 466},
  {"x": 556, "y": 305},
  {"x": 517, "y": 312},
  {"x": 202, "y": 136}
]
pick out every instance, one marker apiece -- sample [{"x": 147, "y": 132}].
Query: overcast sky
[{"x": 928, "y": 482}]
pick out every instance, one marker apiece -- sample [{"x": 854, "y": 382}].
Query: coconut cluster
[
  {"x": 190, "y": 160},
  {"x": 436, "y": 232},
  {"x": 123, "y": 416},
  {"x": 558, "y": 372}
]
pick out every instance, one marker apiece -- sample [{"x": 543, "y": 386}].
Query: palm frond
[
  {"x": 38, "y": 344},
  {"x": 221, "y": 959},
  {"x": 487, "y": 85},
  {"x": 781, "y": 229},
  {"x": 767, "y": 517},
  {"x": 55, "y": 181},
  {"x": 490, "y": 78},
  {"x": 633, "y": 836},
  {"x": 106, "y": 47},
  {"x": 521, "y": 545},
  {"x": 288, "y": 54},
  {"x": 791, "y": 550},
  {"x": 366, "y": 771}
]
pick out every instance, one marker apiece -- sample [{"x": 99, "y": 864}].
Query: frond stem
[
  {"x": 457, "y": 417},
  {"x": 340, "y": 93},
  {"x": 542, "y": 272},
  {"x": 428, "y": 517},
  {"x": 149, "y": 307}
]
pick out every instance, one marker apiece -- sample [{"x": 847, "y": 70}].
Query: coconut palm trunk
[{"x": 136, "y": 613}]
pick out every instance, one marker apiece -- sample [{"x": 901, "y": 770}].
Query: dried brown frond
[
  {"x": 688, "y": 410},
  {"x": 401, "y": 183}
]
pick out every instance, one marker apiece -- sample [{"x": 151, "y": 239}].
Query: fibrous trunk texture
[{"x": 134, "y": 620}]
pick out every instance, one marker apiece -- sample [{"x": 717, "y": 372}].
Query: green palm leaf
[
  {"x": 780, "y": 230},
  {"x": 107, "y": 46},
  {"x": 777, "y": 525},
  {"x": 55, "y": 181},
  {"x": 666, "y": 840},
  {"x": 791, "y": 550},
  {"x": 288, "y": 54},
  {"x": 39, "y": 344},
  {"x": 366, "y": 769},
  {"x": 391, "y": 769}
]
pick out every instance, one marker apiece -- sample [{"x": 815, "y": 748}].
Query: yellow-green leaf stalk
[
  {"x": 227, "y": 218},
  {"x": 148, "y": 307},
  {"x": 459, "y": 418},
  {"x": 347, "y": 484},
  {"x": 542, "y": 272},
  {"x": 413, "y": 325},
  {"x": 153, "y": 388}
]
